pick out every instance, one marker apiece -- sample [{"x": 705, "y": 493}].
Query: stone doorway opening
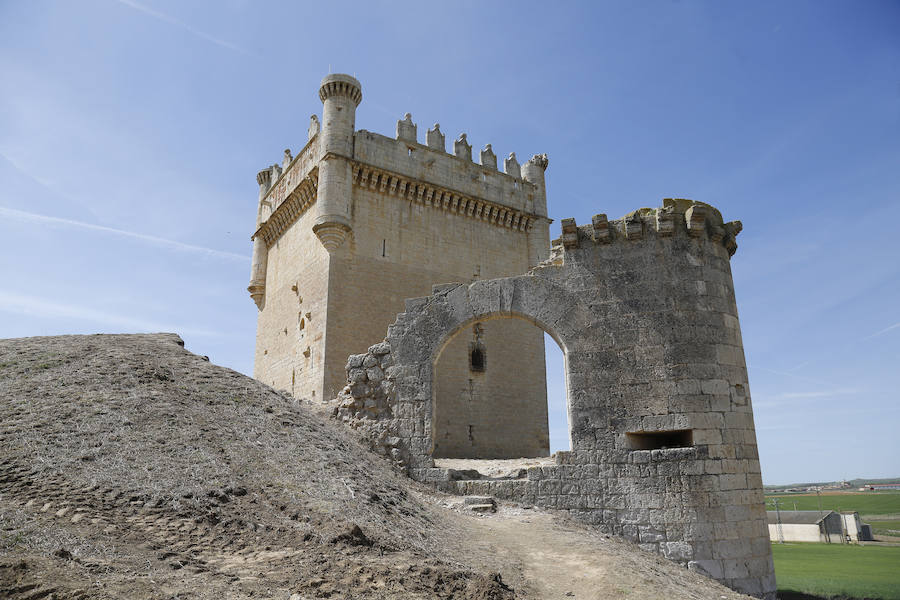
[{"x": 499, "y": 398}]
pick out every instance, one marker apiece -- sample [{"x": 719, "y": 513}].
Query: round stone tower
[
  {"x": 340, "y": 95},
  {"x": 257, "y": 287}
]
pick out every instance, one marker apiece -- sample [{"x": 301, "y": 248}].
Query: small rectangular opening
[{"x": 656, "y": 440}]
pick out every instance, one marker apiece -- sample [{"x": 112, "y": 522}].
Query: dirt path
[{"x": 543, "y": 556}]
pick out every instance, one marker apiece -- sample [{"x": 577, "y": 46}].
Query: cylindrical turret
[
  {"x": 257, "y": 287},
  {"x": 538, "y": 241},
  {"x": 539, "y": 233},
  {"x": 533, "y": 173},
  {"x": 340, "y": 95}
]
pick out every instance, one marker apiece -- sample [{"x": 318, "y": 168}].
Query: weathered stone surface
[
  {"x": 662, "y": 454},
  {"x": 417, "y": 216}
]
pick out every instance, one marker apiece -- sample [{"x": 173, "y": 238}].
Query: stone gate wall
[{"x": 663, "y": 442}]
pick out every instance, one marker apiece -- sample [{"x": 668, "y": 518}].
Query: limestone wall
[
  {"x": 500, "y": 412},
  {"x": 290, "y": 330},
  {"x": 357, "y": 222},
  {"x": 398, "y": 249},
  {"x": 663, "y": 443}
]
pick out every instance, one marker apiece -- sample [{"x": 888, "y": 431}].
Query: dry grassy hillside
[{"x": 131, "y": 468}]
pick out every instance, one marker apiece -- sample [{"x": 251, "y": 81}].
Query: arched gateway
[{"x": 661, "y": 424}]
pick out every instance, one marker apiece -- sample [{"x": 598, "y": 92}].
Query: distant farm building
[
  {"x": 824, "y": 526},
  {"x": 805, "y": 526},
  {"x": 875, "y": 487},
  {"x": 854, "y": 529}
]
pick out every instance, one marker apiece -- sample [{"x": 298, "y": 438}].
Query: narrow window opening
[
  {"x": 383, "y": 248},
  {"x": 477, "y": 358},
  {"x": 657, "y": 440}
]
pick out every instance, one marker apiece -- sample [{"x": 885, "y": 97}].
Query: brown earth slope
[{"x": 131, "y": 468}]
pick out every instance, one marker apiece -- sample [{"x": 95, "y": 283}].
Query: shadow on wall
[{"x": 490, "y": 402}]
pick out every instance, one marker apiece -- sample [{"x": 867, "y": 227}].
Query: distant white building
[
  {"x": 854, "y": 529},
  {"x": 824, "y": 526},
  {"x": 805, "y": 526}
]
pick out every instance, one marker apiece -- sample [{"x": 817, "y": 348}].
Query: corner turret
[
  {"x": 539, "y": 236},
  {"x": 257, "y": 287},
  {"x": 533, "y": 173},
  {"x": 340, "y": 95}
]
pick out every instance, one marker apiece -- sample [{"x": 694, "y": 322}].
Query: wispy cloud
[
  {"x": 33, "y": 306},
  {"x": 815, "y": 380},
  {"x": 818, "y": 393},
  {"x": 21, "y": 169},
  {"x": 29, "y": 217},
  {"x": 792, "y": 399},
  {"x": 779, "y": 426},
  {"x": 885, "y": 330},
  {"x": 178, "y": 23}
]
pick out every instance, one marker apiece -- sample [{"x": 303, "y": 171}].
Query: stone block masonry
[
  {"x": 661, "y": 424},
  {"x": 357, "y": 215}
]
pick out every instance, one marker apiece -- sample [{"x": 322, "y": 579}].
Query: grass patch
[
  {"x": 886, "y": 527},
  {"x": 865, "y": 503},
  {"x": 830, "y": 570}
]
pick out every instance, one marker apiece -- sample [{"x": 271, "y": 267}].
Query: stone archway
[
  {"x": 490, "y": 392},
  {"x": 663, "y": 446},
  {"x": 419, "y": 334}
]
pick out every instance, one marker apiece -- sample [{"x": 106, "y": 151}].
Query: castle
[
  {"x": 357, "y": 222},
  {"x": 663, "y": 443}
]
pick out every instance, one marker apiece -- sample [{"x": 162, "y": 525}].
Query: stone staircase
[{"x": 480, "y": 504}]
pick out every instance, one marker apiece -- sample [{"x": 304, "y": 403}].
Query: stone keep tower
[{"x": 356, "y": 223}]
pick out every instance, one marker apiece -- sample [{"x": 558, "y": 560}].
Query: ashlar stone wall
[
  {"x": 357, "y": 222},
  {"x": 661, "y": 423}
]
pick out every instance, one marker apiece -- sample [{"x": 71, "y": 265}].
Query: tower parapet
[
  {"x": 406, "y": 129},
  {"x": 462, "y": 148},
  {"x": 511, "y": 166},
  {"x": 488, "y": 158},
  {"x": 313, "y": 129},
  {"x": 434, "y": 139}
]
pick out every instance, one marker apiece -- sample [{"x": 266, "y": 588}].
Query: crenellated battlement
[
  {"x": 462, "y": 149},
  {"x": 278, "y": 183},
  {"x": 676, "y": 216},
  {"x": 404, "y": 168},
  {"x": 429, "y": 166}
]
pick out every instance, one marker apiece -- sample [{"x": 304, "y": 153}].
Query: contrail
[
  {"x": 44, "y": 308},
  {"x": 173, "y": 21},
  {"x": 21, "y": 215}
]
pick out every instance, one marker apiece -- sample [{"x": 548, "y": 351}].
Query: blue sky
[{"x": 131, "y": 132}]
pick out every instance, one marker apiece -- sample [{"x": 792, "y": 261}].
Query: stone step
[
  {"x": 471, "y": 500},
  {"x": 482, "y": 508}
]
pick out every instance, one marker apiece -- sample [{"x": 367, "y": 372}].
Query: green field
[
  {"x": 884, "y": 526},
  {"x": 830, "y": 570},
  {"x": 865, "y": 503}
]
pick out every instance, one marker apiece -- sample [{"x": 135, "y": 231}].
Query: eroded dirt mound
[{"x": 131, "y": 468}]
